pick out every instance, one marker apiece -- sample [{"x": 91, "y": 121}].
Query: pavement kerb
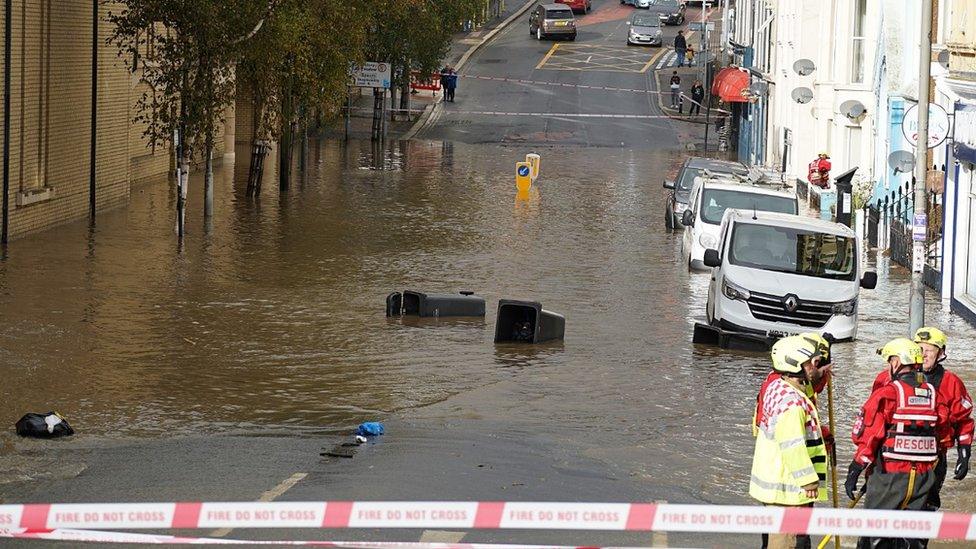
[{"x": 425, "y": 117}]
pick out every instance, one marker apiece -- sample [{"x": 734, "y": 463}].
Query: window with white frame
[{"x": 858, "y": 42}]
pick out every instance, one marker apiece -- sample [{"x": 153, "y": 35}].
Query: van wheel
[{"x": 538, "y": 33}]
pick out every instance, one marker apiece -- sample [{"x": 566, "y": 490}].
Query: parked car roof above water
[
  {"x": 791, "y": 221},
  {"x": 717, "y": 165}
]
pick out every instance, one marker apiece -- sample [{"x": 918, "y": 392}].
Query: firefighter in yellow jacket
[{"x": 789, "y": 466}]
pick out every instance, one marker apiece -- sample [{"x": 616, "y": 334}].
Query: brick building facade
[{"x": 48, "y": 107}]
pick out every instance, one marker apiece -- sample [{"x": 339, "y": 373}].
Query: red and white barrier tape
[
  {"x": 492, "y": 515},
  {"x": 99, "y": 536}
]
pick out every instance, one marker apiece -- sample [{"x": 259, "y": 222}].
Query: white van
[
  {"x": 778, "y": 274},
  {"x": 710, "y": 198}
]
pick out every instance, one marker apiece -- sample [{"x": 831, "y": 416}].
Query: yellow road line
[
  {"x": 552, "y": 50},
  {"x": 653, "y": 59}
]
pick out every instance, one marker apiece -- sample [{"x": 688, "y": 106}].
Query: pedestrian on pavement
[
  {"x": 675, "y": 89},
  {"x": 452, "y": 82},
  {"x": 690, "y": 55},
  {"x": 679, "y": 47},
  {"x": 445, "y": 72},
  {"x": 697, "y": 96},
  {"x": 896, "y": 439},
  {"x": 950, "y": 390},
  {"x": 789, "y": 465}
]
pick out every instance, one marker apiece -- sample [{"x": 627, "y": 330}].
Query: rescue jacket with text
[
  {"x": 898, "y": 425},
  {"x": 952, "y": 392},
  {"x": 790, "y": 452}
]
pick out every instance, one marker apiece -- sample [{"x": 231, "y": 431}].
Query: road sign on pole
[
  {"x": 371, "y": 75},
  {"x": 696, "y": 26}
]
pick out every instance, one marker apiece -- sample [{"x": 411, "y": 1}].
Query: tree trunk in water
[
  {"x": 284, "y": 156},
  {"x": 208, "y": 179}
]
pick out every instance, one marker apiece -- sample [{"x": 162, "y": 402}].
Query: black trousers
[
  {"x": 935, "y": 499},
  {"x": 450, "y": 94},
  {"x": 896, "y": 491},
  {"x": 695, "y": 107}
]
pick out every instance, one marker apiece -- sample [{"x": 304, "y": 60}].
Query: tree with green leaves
[{"x": 185, "y": 50}]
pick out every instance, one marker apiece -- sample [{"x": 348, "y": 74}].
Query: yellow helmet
[
  {"x": 933, "y": 336},
  {"x": 789, "y": 354},
  {"x": 905, "y": 349},
  {"x": 823, "y": 345}
]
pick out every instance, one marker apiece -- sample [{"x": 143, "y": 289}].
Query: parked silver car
[
  {"x": 637, "y": 3},
  {"x": 645, "y": 28}
]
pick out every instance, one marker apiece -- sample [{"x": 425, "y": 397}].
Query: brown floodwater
[{"x": 270, "y": 319}]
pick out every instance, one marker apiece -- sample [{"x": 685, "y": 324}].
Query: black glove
[
  {"x": 962, "y": 463},
  {"x": 853, "y": 474}
]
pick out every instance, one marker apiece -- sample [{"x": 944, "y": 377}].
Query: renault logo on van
[{"x": 790, "y": 303}]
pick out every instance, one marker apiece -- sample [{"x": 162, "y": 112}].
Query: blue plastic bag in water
[{"x": 370, "y": 429}]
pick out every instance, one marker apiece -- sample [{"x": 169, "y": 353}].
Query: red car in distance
[{"x": 578, "y": 6}]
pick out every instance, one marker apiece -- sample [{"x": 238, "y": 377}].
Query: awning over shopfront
[{"x": 731, "y": 85}]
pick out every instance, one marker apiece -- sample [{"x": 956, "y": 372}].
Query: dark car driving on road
[
  {"x": 679, "y": 189},
  {"x": 552, "y": 20},
  {"x": 671, "y": 12}
]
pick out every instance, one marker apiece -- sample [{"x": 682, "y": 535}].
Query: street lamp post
[{"x": 916, "y": 306}]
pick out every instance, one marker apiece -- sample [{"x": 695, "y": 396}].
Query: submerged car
[
  {"x": 710, "y": 198},
  {"x": 671, "y": 12},
  {"x": 637, "y": 3},
  {"x": 680, "y": 188},
  {"x": 550, "y": 20},
  {"x": 645, "y": 28},
  {"x": 777, "y": 274}
]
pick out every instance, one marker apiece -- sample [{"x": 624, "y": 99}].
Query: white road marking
[
  {"x": 561, "y": 114},
  {"x": 560, "y": 84},
  {"x": 270, "y": 495},
  {"x": 441, "y": 536},
  {"x": 589, "y": 58}
]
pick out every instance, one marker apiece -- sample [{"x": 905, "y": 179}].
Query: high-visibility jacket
[
  {"x": 811, "y": 390},
  {"x": 875, "y": 423},
  {"x": 952, "y": 392},
  {"x": 790, "y": 451}
]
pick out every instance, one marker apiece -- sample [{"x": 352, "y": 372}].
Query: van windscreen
[
  {"x": 795, "y": 251},
  {"x": 716, "y": 201}
]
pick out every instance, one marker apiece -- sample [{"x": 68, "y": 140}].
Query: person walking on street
[
  {"x": 444, "y": 74},
  {"x": 697, "y": 96},
  {"x": 958, "y": 430},
  {"x": 789, "y": 464},
  {"x": 680, "y": 45},
  {"x": 452, "y": 82},
  {"x": 896, "y": 439},
  {"x": 675, "y": 89}
]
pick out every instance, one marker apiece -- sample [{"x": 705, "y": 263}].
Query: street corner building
[
  {"x": 955, "y": 91},
  {"x": 70, "y": 146}
]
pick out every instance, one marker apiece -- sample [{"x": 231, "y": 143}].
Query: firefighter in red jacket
[
  {"x": 958, "y": 431},
  {"x": 896, "y": 435}
]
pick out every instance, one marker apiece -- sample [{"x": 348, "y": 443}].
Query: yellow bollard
[
  {"x": 535, "y": 162},
  {"x": 523, "y": 176}
]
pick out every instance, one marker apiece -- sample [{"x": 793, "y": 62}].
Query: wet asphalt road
[
  {"x": 552, "y": 92},
  {"x": 219, "y": 370}
]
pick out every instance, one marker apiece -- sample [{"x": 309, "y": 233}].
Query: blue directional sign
[{"x": 524, "y": 170}]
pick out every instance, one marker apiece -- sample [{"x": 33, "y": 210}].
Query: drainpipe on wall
[
  {"x": 6, "y": 120},
  {"x": 94, "y": 112}
]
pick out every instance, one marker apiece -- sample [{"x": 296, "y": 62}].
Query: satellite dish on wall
[
  {"x": 802, "y": 95},
  {"x": 804, "y": 67},
  {"x": 944, "y": 58},
  {"x": 853, "y": 109},
  {"x": 901, "y": 161},
  {"x": 758, "y": 88}
]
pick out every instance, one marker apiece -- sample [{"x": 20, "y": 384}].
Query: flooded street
[{"x": 271, "y": 322}]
